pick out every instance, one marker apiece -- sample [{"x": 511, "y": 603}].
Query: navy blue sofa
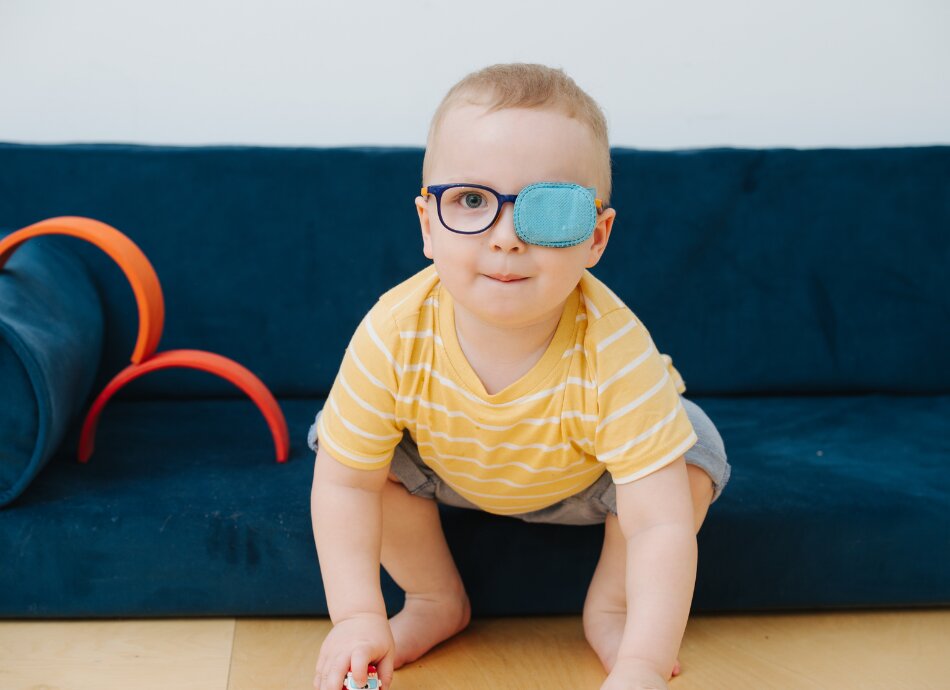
[{"x": 803, "y": 295}]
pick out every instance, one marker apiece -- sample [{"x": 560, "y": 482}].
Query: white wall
[{"x": 670, "y": 74}]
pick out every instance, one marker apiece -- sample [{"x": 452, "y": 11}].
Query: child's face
[{"x": 508, "y": 150}]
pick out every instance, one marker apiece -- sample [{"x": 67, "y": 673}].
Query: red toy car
[{"x": 372, "y": 680}]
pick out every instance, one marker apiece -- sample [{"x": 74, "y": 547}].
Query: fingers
[
  {"x": 385, "y": 669},
  {"x": 318, "y": 679},
  {"x": 331, "y": 673},
  {"x": 358, "y": 664},
  {"x": 336, "y": 674},
  {"x": 351, "y": 646}
]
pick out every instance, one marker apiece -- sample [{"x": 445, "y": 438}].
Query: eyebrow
[{"x": 458, "y": 179}]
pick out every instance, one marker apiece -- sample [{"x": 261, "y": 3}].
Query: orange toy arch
[
  {"x": 122, "y": 250},
  {"x": 193, "y": 359}
]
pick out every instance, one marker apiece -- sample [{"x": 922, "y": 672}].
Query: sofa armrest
[{"x": 51, "y": 339}]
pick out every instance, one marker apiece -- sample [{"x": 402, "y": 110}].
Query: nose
[{"x": 502, "y": 235}]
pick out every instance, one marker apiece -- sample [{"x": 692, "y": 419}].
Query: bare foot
[
  {"x": 424, "y": 622},
  {"x": 604, "y": 629}
]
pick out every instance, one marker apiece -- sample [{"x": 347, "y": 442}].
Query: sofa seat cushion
[{"x": 182, "y": 511}]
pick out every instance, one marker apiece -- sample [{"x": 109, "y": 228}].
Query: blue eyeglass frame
[{"x": 436, "y": 190}]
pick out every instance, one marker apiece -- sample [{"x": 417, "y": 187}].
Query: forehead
[{"x": 512, "y": 148}]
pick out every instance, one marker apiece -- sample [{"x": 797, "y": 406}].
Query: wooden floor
[{"x": 866, "y": 649}]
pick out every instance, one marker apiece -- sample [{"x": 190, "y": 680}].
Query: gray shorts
[{"x": 589, "y": 507}]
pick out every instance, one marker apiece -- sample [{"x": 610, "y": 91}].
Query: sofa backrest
[{"x": 758, "y": 271}]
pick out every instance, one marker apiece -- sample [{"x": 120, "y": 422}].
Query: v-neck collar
[{"x": 530, "y": 379}]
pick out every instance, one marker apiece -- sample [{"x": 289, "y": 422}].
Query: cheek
[
  {"x": 558, "y": 282},
  {"x": 458, "y": 251},
  {"x": 563, "y": 265},
  {"x": 455, "y": 261}
]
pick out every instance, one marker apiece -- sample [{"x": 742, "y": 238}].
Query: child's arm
[
  {"x": 346, "y": 509},
  {"x": 657, "y": 521}
]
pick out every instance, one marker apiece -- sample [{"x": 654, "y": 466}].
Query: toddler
[{"x": 505, "y": 377}]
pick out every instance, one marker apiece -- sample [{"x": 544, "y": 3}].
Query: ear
[
  {"x": 605, "y": 222},
  {"x": 422, "y": 207}
]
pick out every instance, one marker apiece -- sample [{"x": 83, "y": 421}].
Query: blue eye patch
[{"x": 555, "y": 214}]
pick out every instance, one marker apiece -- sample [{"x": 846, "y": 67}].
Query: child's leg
[
  {"x": 417, "y": 557},
  {"x": 605, "y": 610}
]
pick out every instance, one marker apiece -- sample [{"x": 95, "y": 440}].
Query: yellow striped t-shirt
[{"x": 601, "y": 397}]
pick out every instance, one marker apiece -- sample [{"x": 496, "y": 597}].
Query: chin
[{"x": 503, "y": 317}]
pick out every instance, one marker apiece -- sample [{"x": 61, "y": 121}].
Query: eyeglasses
[{"x": 555, "y": 214}]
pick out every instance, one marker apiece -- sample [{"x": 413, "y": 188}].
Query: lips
[{"x": 506, "y": 277}]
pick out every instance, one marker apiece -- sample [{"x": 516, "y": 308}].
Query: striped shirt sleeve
[
  {"x": 642, "y": 424},
  {"x": 358, "y": 425}
]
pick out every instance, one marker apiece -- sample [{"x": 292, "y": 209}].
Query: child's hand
[
  {"x": 631, "y": 674},
  {"x": 354, "y": 643}
]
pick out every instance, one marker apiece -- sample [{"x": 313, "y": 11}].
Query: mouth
[{"x": 506, "y": 277}]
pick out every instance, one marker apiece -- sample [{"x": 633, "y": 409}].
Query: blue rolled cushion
[{"x": 51, "y": 336}]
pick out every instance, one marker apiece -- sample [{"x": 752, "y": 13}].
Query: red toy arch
[
  {"x": 133, "y": 262},
  {"x": 193, "y": 359}
]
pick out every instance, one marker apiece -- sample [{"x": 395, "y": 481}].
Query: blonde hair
[{"x": 528, "y": 85}]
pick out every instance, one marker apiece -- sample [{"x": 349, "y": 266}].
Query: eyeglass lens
[{"x": 468, "y": 209}]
